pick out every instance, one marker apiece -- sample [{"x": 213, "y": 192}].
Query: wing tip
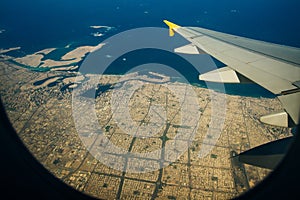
[{"x": 171, "y": 26}]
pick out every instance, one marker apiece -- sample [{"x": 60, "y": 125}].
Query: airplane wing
[
  {"x": 274, "y": 67},
  {"x": 267, "y": 155}
]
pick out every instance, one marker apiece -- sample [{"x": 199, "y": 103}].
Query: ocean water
[{"x": 34, "y": 25}]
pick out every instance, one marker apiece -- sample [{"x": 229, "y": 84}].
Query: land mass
[{"x": 39, "y": 105}]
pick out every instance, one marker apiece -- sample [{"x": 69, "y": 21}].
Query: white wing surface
[{"x": 272, "y": 66}]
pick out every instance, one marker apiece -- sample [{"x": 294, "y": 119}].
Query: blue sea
[{"x": 38, "y": 24}]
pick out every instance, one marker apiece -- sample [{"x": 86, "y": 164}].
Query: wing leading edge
[{"x": 274, "y": 67}]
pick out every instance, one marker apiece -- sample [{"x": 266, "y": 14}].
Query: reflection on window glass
[{"x": 115, "y": 117}]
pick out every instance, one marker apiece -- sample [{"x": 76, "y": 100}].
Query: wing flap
[
  {"x": 291, "y": 104},
  {"x": 276, "y": 119},
  {"x": 223, "y": 75},
  {"x": 189, "y": 49}
]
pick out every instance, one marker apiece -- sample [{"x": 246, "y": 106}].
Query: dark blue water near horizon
[
  {"x": 35, "y": 25},
  {"x": 38, "y": 24}
]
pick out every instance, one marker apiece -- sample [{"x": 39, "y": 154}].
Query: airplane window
[{"x": 119, "y": 103}]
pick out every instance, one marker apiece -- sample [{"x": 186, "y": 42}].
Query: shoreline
[{"x": 241, "y": 89}]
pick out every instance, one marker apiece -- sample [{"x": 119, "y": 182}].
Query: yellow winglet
[{"x": 172, "y": 26}]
